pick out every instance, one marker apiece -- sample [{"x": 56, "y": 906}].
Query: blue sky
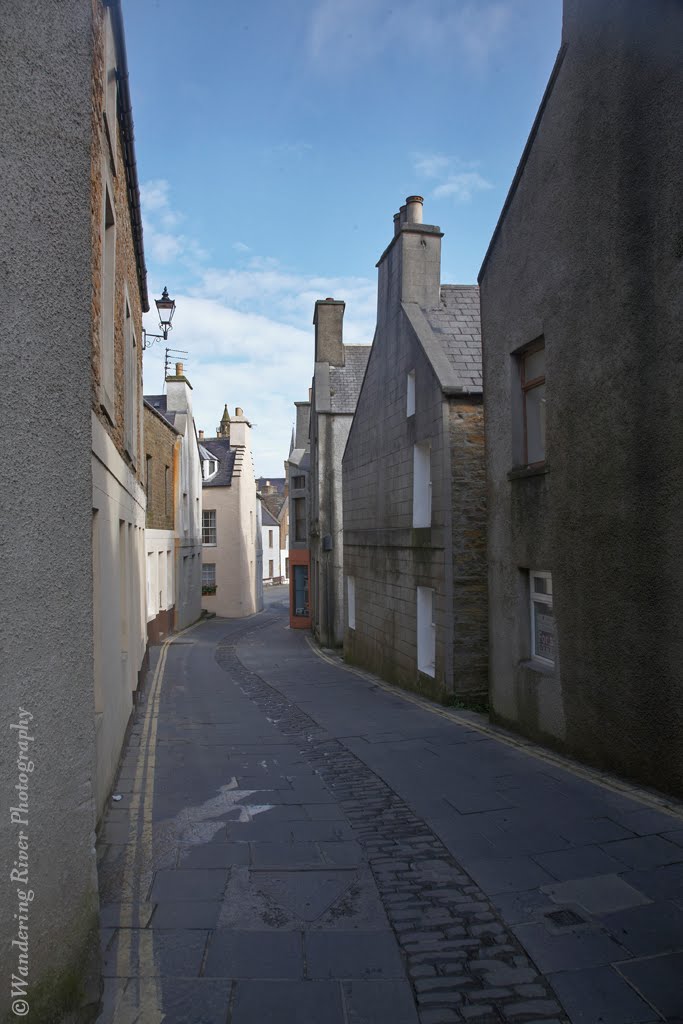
[{"x": 275, "y": 140}]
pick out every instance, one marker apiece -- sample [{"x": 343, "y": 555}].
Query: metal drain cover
[{"x": 565, "y": 918}]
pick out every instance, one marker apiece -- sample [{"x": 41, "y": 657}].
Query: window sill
[
  {"x": 538, "y": 666},
  {"x": 209, "y": 545},
  {"x": 520, "y": 472}
]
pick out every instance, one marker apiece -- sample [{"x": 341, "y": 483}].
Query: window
[
  {"x": 422, "y": 485},
  {"x": 129, "y": 390},
  {"x": 299, "y": 519},
  {"x": 301, "y": 590},
  {"x": 351, "y": 598},
  {"x": 148, "y": 475},
  {"x": 166, "y": 468},
  {"x": 208, "y": 578},
  {"x": 426, "y": 631},
  {"x": 542, "y": 618},
  {"x": 150, "y": 582},
  {"x": 271, "y": 569},
  {"x": 130, "y": 385},
  {"x": 532, "y": 367},
  {"x": 270, "y": 539},
  {"x": 107, "y": 321},
  {"x": 209, "y": 527},
  {"x": 169, "y": 580},
  {"x": 298, "y": 483},
  {"x": 410, "y": 394},
  {"x": 287, "y": 568}
]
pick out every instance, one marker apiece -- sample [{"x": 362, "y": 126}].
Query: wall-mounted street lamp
[{"x": 165, "y": 309}]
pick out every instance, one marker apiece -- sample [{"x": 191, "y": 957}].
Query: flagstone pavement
[{"x": 297, "y": 843}]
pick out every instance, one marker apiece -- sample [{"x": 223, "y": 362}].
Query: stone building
[
  {"x": 414, "y": 491},
  {"x": 72, "y": 585},
  {"x": 232, "y": 571},
  {"x": 339, "y": 372},
  {"x": 298, "y": 467},
  {"x": 174, "y": 505},
  {"x": 582, "y": 304}
]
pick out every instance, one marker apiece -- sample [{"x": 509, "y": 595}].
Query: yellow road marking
[
  {"x": 147, "y": 1006},
  {"x": 652, "y": 800}
]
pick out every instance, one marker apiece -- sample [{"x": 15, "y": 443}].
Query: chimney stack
[
  {"x": 410, "y": 266},
  {"x": 328, "y": 318},
  {"x": 178, "y": 392},
  {"x": 414, "y": 209},
  {"x": 201, "y": 435},
  {"x": 240, "y": 430}
]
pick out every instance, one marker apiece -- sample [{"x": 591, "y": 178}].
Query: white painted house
[{"x": 270, "y": 531}]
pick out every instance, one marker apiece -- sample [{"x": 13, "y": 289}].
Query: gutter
[{"x": 125, "y": 111}]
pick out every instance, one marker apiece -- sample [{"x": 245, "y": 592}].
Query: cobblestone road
[{"x": 296, "y": 844}]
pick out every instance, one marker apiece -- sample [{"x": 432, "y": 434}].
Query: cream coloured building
[{"x": 232, "y": 583}]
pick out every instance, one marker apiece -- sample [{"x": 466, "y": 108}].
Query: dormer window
[{"x": 209, "y": 464}]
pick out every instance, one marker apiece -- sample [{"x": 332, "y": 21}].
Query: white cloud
[
  {"x": 459, "y": 179},
  {"x": 356, "y": 31},
  {"x": 247, "y": 330},
  {"x": 154, "y": 194},
  {"x": 432, "y": 165},
  {"x": 462, "y": 186},
  {"x": 163, "y": 243}
]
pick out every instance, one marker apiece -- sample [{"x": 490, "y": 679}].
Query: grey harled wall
[
  {"x": 382, "y": 551},
  {"x": 46, "y": 582},
  {"x": 590, "y": 254}
]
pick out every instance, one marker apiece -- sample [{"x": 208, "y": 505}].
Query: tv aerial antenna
[{"x": 170, "y": 357}]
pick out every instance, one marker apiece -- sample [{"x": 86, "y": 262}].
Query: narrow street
[{"x": 296, "y": 844}]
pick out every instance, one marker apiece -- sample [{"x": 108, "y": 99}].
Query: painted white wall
[
  {"x": 271, "y": 551},
  {"x": 119, "y": 600},
  {"x": 160, "y": 571}
]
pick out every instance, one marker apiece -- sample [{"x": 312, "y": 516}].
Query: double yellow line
[{"x": 145, "y": 1004}]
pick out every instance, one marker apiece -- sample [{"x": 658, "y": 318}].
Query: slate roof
[
  {"x": 274, "y": 503},
  {"x": 220, "y": 448},
  {"x": 266, "y": 517},
  {"x": 457, "y": 327},
  {"x": 346, "y": 381},
  {"x": 158, "y": 403}
]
